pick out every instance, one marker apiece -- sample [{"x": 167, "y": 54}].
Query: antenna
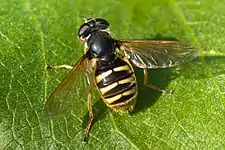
[{"x": 86, "y": 19}]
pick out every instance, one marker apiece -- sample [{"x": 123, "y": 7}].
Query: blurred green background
[{"x": 36, "y": 33}]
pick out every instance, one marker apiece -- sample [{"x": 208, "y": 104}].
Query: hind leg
[{"x": 153, "y": 86}]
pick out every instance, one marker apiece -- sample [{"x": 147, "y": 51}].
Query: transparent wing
[
  {"x": 157, "y": 54},
  {"x": 72, "y": 89}
]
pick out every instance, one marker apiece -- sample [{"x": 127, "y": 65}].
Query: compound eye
[
  {"x": 101, "y": 23},
  {"x": 84, "y": 30}
]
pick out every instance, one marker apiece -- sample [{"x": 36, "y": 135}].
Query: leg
[
  {"x": 59, "y": 67},
  {"x": 91, "y": 116},
  {"x": 152, "y": 86}
]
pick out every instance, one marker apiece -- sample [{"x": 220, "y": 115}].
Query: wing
[
  {"x": 157, "y": 54},
  {"x": 72, "y": 89}
]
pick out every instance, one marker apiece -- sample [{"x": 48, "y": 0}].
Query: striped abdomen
[{"x": 116, "y": 83}]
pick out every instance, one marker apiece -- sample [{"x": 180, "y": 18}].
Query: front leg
[
  {"x": 91, "y": 115},
  {"x": 59, "y": 67}
]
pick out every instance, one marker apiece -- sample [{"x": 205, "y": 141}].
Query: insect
[{"x": 108, "y": 65}]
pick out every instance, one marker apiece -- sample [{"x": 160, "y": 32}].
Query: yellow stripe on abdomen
[
  {"x": 127, "y": 80},
  {"x": 108, "y": 88},
  {"x": 103, "y": 75},
  {"x": 132, "y": 91},
  {"x": 121, "y": 68},
  {"x": 113, "y": 99}
]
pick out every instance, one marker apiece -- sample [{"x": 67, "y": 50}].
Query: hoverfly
[{"x": 108, "y": 64}]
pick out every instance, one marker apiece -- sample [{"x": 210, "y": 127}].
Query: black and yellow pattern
[
  {"x": 108, "y": 61},
  {"x": 116, "y": 84}
]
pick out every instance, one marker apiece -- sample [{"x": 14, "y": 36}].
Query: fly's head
[{"x": 91, "y": 25}]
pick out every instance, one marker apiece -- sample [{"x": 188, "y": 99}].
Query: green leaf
[{"x": 36, "y": 33}]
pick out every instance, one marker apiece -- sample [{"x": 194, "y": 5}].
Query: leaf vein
[
  {"x": 121, "y": 133},
  {"x": 7, "y": 39}
]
